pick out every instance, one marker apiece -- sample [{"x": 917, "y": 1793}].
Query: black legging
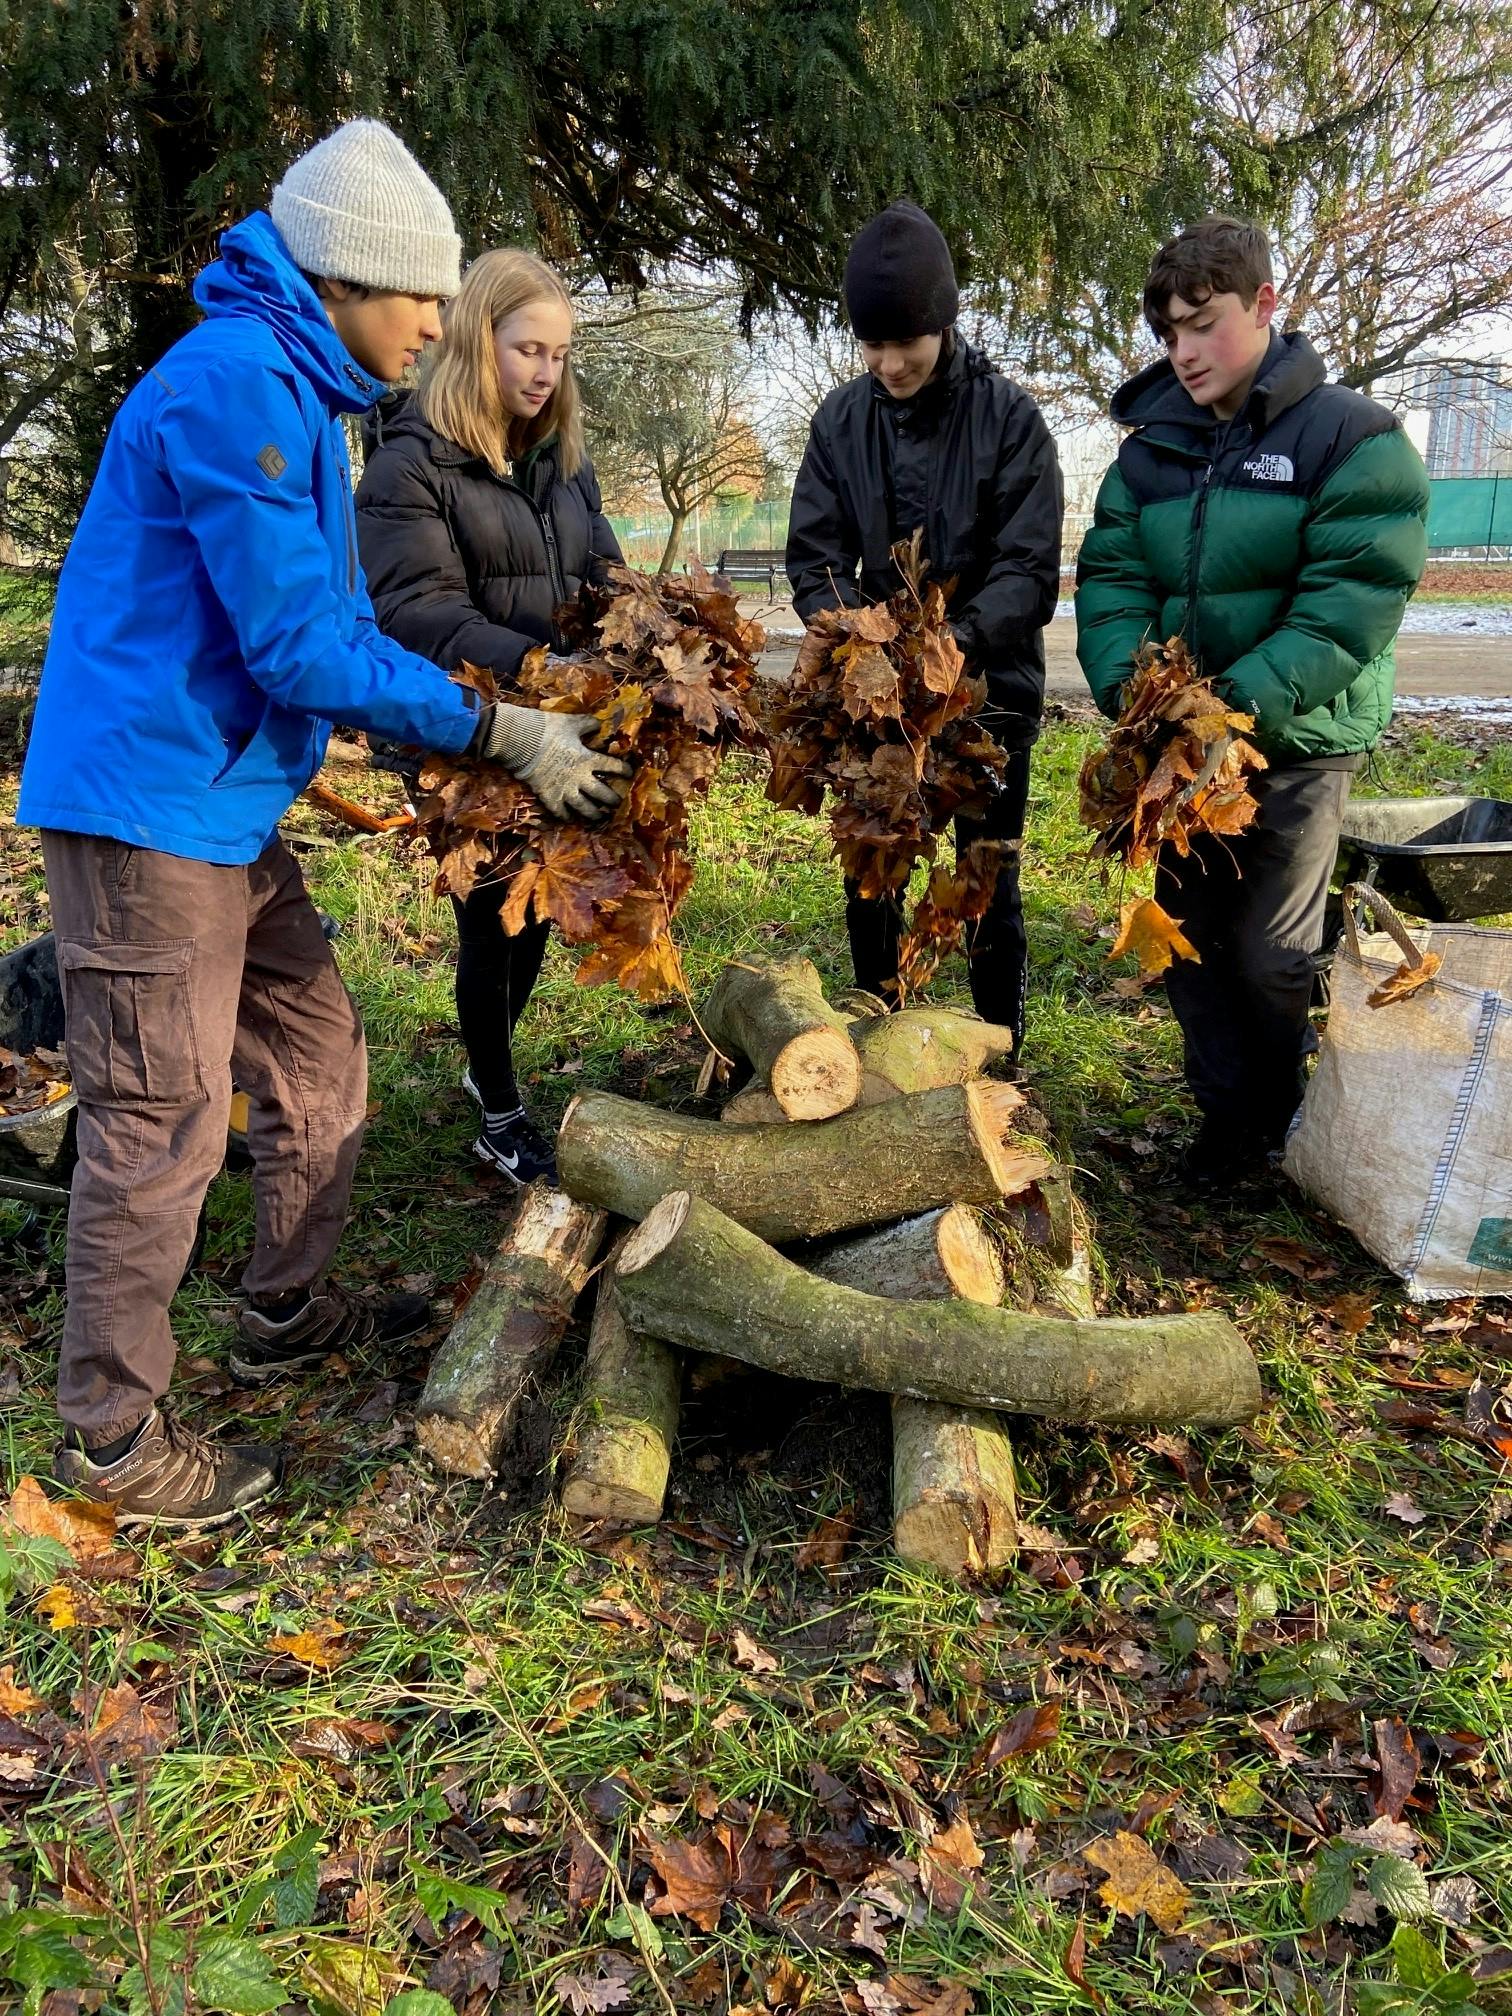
[
  {"x": 998, "y": 947},
  {"x": 495, "y": 975}
]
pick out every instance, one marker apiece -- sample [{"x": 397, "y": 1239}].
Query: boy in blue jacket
[{"x": 211, "y": 623}]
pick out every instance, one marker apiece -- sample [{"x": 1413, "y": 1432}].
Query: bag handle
[{"x": 1360, "y": 895}]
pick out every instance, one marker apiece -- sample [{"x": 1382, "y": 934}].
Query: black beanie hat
[{"x": 899, "y": 280}]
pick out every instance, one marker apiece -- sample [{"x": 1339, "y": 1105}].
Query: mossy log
[
  {"x": 632, "y": 1394},
  {"x": 914, "y": 1050},
  {"x": 955, "y": 1502},
  {"x": 865, "y": 1167},
  {"x": 775, "y": 1015},
  {"x": 509, "y": 1332},
  {"x": 693, "y": 1277}
]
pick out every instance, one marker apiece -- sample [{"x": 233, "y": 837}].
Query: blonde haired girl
[{"x": 479, "y": 515}]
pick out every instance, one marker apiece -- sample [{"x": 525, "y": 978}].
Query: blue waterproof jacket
[{"x": 212, "y": 620}]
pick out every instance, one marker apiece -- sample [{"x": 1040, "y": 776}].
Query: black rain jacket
[{"x": 971, "y": 460}]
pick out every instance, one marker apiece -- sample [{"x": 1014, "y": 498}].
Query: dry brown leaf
[
  {"x": 1033, "y": 1728},
  {"x": 15, "y": 1697},
  {"x": 1154, "y": 937},
  {"x": 1408, "y": 979},
  {"x": 1138, "y": 1881},
  {"x": 946, "y": 1862},
  {"x": 828, "y": 1538},
  {"x": 126, "y": 1729},
  {"x": 319, "y": 1647},
  {"x": 694, "y": 1878},
  {"x": 86, "y": 1529},
  {"x": 747, "y": 1653}
]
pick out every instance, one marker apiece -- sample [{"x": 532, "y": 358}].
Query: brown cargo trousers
[{"x": 177, "y": 974}]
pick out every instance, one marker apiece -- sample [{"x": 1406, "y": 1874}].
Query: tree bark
[
  {"x": 955, "y": 1500},
  {"x": 695, "y": 1278},
  {"x": 509, "y": 1332},
  {"x": 632, "y": 1393},
  {"x": 914, "y": 1050},
  {"x": 865, "y": 1167},
  {"x": 776, "y": 1015}
]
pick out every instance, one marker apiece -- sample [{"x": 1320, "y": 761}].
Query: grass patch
[{"x": 1224, "y": 1626}]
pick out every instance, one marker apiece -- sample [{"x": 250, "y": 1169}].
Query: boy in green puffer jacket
[{"x": 1278, "y": 524}]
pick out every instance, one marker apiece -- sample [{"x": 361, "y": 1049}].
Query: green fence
[
  {"x": 719, "y": 528},
  {"x": 1470, "y": 511}
]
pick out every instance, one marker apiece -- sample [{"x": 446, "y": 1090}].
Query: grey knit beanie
[{"x": 360, "y": 207}]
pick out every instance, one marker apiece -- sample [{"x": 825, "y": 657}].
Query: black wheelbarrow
[{"x": 1448, "y": 860}]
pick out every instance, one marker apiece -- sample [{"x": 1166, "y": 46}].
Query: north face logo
[{"x": 1271, "y": 469}]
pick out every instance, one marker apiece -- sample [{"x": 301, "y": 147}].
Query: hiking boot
[
  {"x": 271, "y": 1345},
  {"x": 172, "y": 1477},
  {"x": 1221, "y": 1157}
]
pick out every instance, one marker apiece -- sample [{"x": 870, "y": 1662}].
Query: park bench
[{"x": 757, "y": 563}]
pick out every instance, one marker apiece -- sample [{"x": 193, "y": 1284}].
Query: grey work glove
[{"x": 551, "y": 753}]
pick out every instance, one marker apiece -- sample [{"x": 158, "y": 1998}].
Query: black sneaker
[
  {"x": 329, "y": 1320},
  {"x": 516, "y": 1147},
  {"x": 172, "y": 1477}
]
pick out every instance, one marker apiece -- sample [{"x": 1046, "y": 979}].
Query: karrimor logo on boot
[{"x": 1271, "y": 469}]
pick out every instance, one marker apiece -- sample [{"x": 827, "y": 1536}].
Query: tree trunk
[
  {"x": 947, "y": 1252},
  {"x": 914, "y": 1050},
  {"x": 776, "y": 1015},
  {"x": 509, "y": 1332},
  {"x": 674, "y": 540},
  {"x": 632, "y": 1392},
  {"x": 866, "y": 1167},
  {"x": 695, "y": 1278}
]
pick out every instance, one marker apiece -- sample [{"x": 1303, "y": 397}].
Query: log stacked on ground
[
  {"x": 692, "y": 1276},
  {"x": 632, "y": 1394},
  {"x": 865, "y": 1167},
  {"x": 509, "y": 1332},
  {"x": 912, "y": 1051},
  {"x": 775, "y": 1015}
]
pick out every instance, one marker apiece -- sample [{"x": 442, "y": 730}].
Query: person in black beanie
[{"x": 933, "y": 436}]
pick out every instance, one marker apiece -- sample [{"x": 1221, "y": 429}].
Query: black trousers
[
  {"x": 1253, "y": 907},
  {"x": 997, "y": 948},
  {"x": 495, "y": 976}
]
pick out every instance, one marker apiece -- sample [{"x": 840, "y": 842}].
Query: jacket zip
[
  {"x": 350, "y": 514},
  {"x": 1199, "y": 518},
  {"x": 548, "y": 534}
]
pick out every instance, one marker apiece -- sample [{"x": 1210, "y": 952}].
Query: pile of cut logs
[{"x": 848, "y": 1218}]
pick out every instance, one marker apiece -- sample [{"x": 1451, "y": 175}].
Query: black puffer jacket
[
  {"x": 971, "y": 460},
  {"x": 461, "y": 563}
]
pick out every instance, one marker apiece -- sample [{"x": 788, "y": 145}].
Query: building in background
[{"x": 1469, "y": 407}]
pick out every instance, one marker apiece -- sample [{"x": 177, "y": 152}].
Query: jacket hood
[
  {"x": 255, "y": 275},
  {"x": 1290, "y": 369}
]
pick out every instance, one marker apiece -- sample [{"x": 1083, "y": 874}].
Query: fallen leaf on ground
[
  {"x": 86, "y": 1529},
  {"x": 341, "y": 1738},
  {"x": 1033, "y": 1728},
  {"x": 319, "y": 1647},
  {"x": 1397, "y": 1755},
  {"x": 1138, "y": 1881},
  {"x": 1400, "y": 1506},
  {"x": 1152, "y": 935},
  {"x": 126, "y": 1729},
  {"x": 694, "y": 1878},
  {"x": 15, "y": 1697},
  {"x": 748, "y": 1653},
  {"x": 945, "y": 1866},
  {"x": 1292, "y": 1257},
  {"x": 1074, "y": 1964},
  {"x": 828, "y": 1538}
]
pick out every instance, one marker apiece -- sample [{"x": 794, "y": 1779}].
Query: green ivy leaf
[
  {"x": 1399, "y": 1887},
  {"x": 231, "y": 1975},
  {"x": 1329, "y": 1888}
]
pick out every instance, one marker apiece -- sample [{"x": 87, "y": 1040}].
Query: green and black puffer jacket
[{"x": 1282, "y": 544}]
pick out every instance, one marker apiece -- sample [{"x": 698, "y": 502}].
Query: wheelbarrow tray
[
  {"x": 1445, "y": 859},
  {"x": 37, "y": 1152}
]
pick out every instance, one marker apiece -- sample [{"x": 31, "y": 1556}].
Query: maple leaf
[
  {"x": 125, "y": 1728},
  {"x": 319, "y": 1647},
  {"x": 576, "y": 875},
  {"x": 1138, "y": 1881},
  {"x": 946, "y": 1863},
  {"x": 870, "y": 687},
  {"x": 81, "y": 1526},
  {"x": 1406, "y": 981},
  {"x": 1153, "y": 936},
  {"x": 15, "y": 1697},
  {"x": 650, "y": 972}
]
